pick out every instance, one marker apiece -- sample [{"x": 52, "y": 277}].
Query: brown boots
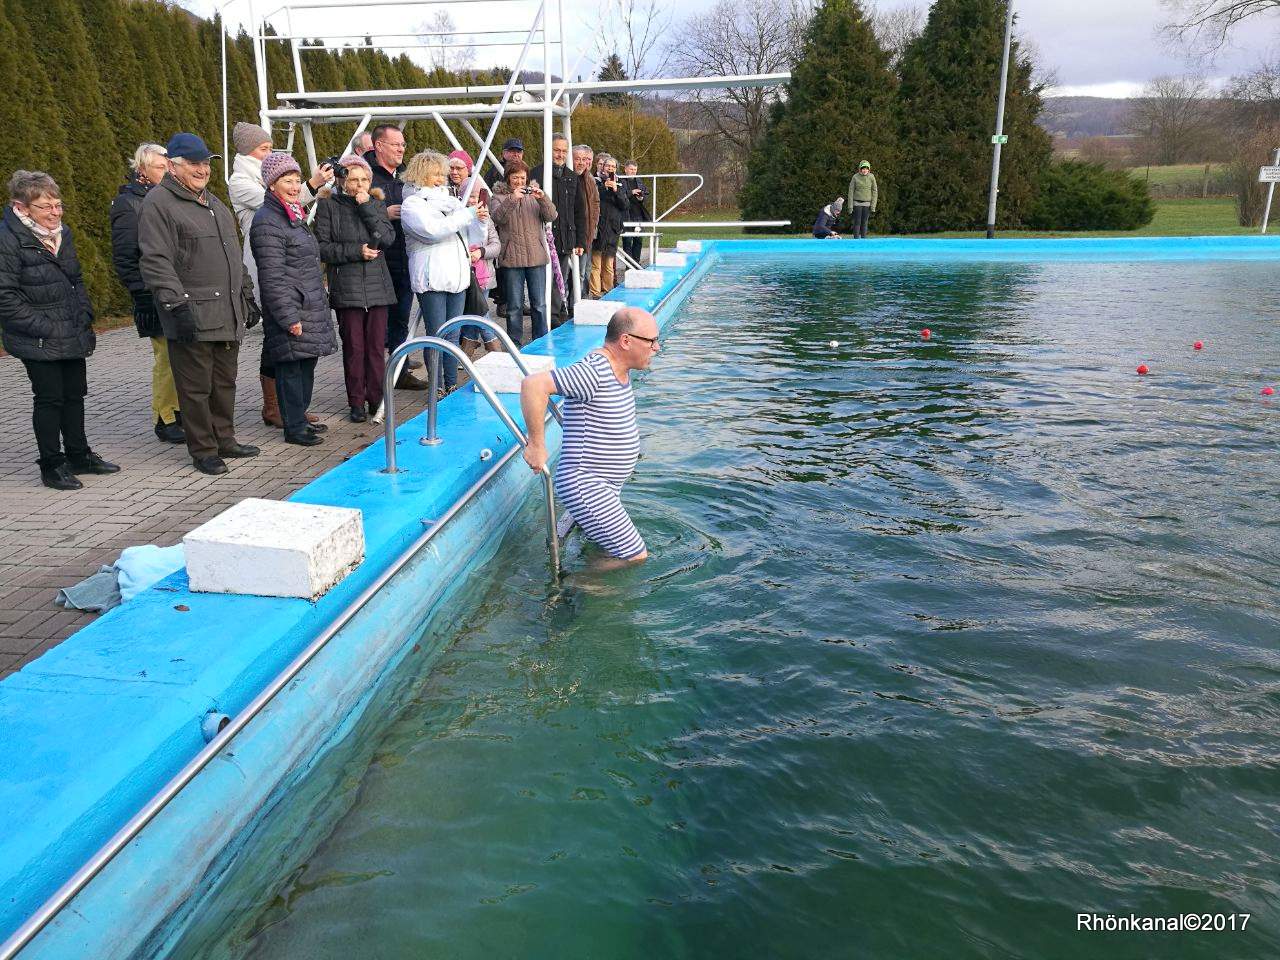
[{"x": 270, "y": 405}]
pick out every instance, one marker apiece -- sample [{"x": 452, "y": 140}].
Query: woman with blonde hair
[{"x": 439, "y": 256}]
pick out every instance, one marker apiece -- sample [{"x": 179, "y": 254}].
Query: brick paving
[{"x": 51, "y": 539}]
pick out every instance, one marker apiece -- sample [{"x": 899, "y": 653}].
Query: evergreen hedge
[
  {"x": 130, "y": 71},
  {"x": 1075, "y": 195}
]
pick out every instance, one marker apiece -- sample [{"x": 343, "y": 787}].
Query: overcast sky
[{"x": 1098, "y": 47}]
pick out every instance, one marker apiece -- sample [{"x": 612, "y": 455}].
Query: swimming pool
[{"x": 941, "y": 643}]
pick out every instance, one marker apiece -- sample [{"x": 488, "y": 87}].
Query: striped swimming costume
[{"x": 601, "y": 447}]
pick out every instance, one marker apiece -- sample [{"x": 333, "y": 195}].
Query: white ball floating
[{"x": 833, "y": 344}]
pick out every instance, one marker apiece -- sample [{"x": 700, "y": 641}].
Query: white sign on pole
[{"x": 1269, "y": 174}]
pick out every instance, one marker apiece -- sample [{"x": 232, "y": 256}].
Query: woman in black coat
[
  {"x": 604, "y": 249},
  {"x": 46, "y": 321},
  {"x": 295, "y": 307},
  {"x": 352, "y": 228},
  {"x": 146, "y": 169}
]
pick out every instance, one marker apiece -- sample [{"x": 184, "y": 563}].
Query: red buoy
[
  {"x": 926, "y": 333},
  {"x": 1268, "y": 391},
  {"x": 1143, "y": 369},
  {"x": 1198, "y": 345}
]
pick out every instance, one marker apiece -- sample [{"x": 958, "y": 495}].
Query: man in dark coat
[
  {"x": 47, "y": 323},
  {"x": 512, "y": 149},
  {"x": 386, "y": 159},
  {"x": 147, "y": 168},
  {"x": 568, "y": 227},
  {"x": 637, "y": 195},
  {"x": 193, "y": 266}
]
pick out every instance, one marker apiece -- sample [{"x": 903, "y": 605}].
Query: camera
[
  {"x": 335, "y": 163},
  {"x": 526, "y": 190}
]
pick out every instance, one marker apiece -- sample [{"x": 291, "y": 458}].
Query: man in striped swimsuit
[{"x": 601, "y": 442}]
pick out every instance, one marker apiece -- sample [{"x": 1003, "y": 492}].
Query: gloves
[
  {"x": 184, "y": 324},
  {"x": 142, "y": 300},
  {"x": 254, "y": 312}
]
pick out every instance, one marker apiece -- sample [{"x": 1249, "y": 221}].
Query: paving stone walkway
[{"x": 51, "y": 539}]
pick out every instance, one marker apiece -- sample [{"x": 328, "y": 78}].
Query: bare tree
[
  {"x": 735, "y": 37},
  {"x": 443, "y": 43},
  {"x": 1203, "y": 27},
  {"x": 896, "y": 27},
  {"x": 1172, "y": 118},
  {"x": 634, "y": 29}
]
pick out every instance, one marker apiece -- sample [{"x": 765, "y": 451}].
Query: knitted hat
[
  {"x": 866, "y": 164},
  {"x": 355, "y": 160},
  {"x": 275, "y": 165},
  {"x": 838, "y": 205},
  {"x": 247, "y": 137},
  {"x": 464, "y": 157}
]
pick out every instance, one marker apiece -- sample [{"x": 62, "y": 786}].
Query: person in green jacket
[{"x": 863, "y": 196}]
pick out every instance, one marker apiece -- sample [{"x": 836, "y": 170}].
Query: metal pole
[
  {"x": 1271, "y": 192},
  {"x": 548, "y": 184},
  {"x": 996, "y": 144}
]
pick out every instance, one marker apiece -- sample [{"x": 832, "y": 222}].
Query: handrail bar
[
  {"x": 436, "y": 343},
  {"x": 433, "y": 370},
  {"x": 135, "y": 825}
]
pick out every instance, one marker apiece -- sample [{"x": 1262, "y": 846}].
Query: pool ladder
[{"x": 438, "y": 345}]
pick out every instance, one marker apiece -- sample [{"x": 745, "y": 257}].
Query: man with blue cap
[{"x": 192, "y": 264}]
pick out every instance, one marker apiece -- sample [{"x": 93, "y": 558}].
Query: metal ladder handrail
[
  {"x": 433, "y": 369},
  {"x": 435, "y": 343}
]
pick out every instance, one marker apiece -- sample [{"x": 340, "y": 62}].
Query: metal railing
[{"x": 435, "y": 343}]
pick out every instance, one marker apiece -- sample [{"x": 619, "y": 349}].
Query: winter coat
[
  {"x": 587, "y": 188},
  {"x": 483, "y": 235},
  {"x": 45, "y": 312},
  {"x": 613, "y": 208},
  {"x": 571, "y": 225},
  {"x": 636, "y": 210},
  {"x": 825, "y": 225},
  {"x": 246, "y": 190},
  {"x": 438, "y": 258},
  {"x": 392, "y": 188},
  {"x": 520, "y": 219},
  {"x": 342, "y": 227},
  {"x": 125, "y": 253},
  {"x": 292, "y": 288},
  {"x": 864, "y": 190},
  {"x": 190, "y": 254}
]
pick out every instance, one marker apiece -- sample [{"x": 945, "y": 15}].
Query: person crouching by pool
[
  {"x": 295, "y": 306},
  {"x": 601, "y": 442},
  {"x": 825, "y": 226}
]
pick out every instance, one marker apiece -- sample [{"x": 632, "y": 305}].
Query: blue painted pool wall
[{"x": 96, "y": 726}]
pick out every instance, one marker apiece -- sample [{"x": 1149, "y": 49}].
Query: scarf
[{"x": 52, "y": 239}]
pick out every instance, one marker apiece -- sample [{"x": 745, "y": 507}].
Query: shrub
[{"x": 1074, "y": 195}]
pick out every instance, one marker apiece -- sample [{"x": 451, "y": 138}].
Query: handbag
[{"x": 477, "y": 302}]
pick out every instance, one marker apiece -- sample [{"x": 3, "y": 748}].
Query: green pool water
[{"x": 941, "y": 644}]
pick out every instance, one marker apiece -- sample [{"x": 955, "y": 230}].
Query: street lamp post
[{"x": 999, "y": 139}]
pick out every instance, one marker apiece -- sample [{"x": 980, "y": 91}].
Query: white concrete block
[
  {"x": 688, "y": 246},
  {"x": 274, "y": 548},
  {"x": 595, "y": 313},
  {"x": 643, "y": 279},
  {"x": 500, "y": 373},
  {"x": 670, "y": 260}
]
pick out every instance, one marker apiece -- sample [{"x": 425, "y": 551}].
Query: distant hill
[{"x": 1072, "y": 117}]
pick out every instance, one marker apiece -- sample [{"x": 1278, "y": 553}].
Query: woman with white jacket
[
  {"x": 435, "y": 229},
  {"x": 247, "y": 193}
]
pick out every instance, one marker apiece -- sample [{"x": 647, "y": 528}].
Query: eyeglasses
[
  {"x": 56, "y": 205},
  {"x": 651, "y": 341}
]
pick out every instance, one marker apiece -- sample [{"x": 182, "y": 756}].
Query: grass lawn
[
  {"x": 1174, "y": 218},
  {"x": 1177, "y": 174}
]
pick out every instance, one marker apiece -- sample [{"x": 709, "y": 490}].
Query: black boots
[
  {"x": 170, "y": 432},
  {"x": 307, "y": 438},
  {"x": 91, "y": 463},
  {"x": 59, "y": 478}
]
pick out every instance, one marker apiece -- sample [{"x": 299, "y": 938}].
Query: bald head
[{"x": 628, "y": 320}]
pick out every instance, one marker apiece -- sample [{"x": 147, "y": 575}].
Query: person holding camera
[
  {"x": 520, "y": 211},
  {"x": 634, "y": 189},
  {"x": 204, "y": 295},
  {"x": 353, "y": 230},
  {"x": 604, "y": 249},
  {"x": 247, "y": 193}
]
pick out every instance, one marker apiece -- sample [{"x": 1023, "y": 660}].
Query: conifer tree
[
  {"x": 96, "y": 159},
  {"x": 838, "y": 110},
  {"x": 612, "y": 69},
  {"x": 950, "y": 82},
  {"x": 125, "y": 95}
]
